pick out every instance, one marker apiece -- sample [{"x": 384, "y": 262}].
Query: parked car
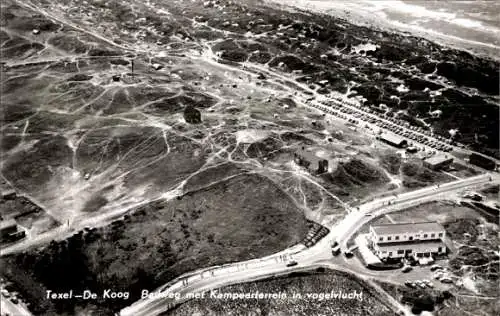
[
  {"x": 335, "y": 250},
  {"x": 406, "y": 269},
  {"x": 292, "y": 263},
  {"x": 348, "y": 254},
  {"x": 435, "y": 267}
]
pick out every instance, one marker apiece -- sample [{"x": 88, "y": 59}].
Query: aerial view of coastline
[
  {"x": 249, "y": 157},
  {"x": 468, "y": 25}
]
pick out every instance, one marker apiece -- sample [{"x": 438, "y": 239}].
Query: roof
[
  {"x": 392, "y": 138},
  {"x": 438, "y": 159},
  {"x": 419, "y": 246},
  {"x": 402, "y": 228},
  {"x": 7, "y": 223},
  {"x": 309, "y": 156}
]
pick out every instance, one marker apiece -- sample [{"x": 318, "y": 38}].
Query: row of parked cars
[
  {"x": 419, "y": 284},
  {"x": 441, "y": 274},
  {"x": 314, "y": 235},
  {"x": 395, "y": 125}
]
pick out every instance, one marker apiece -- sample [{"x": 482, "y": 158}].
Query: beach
[{"x": 467, "y": 25}]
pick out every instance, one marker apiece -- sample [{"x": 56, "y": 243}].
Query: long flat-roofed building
[
  {"x": 393, "y": 140},
  {"x": 438, "y": 162},
  {"x": 407, "y": 239}
]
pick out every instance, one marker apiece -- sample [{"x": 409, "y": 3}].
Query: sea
[{"x": 469, "y": 25}]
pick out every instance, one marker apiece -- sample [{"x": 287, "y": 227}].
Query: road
[
  {"x": 307, "y": 258},
  {"x": 79, "y": 223},
  {"x": 390, "y": 204}
]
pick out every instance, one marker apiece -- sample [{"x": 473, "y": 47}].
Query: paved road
[
  {"x": 381, "y": 206},
  {"x": 306, "y": 258}
]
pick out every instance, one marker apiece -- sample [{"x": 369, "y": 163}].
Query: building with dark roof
[
  {"x": 7, "y": 228},
  {"x": 407, "y": 239},
  {"x": 310, "y": 161},
  {"x": 393, "y": 140},
  {"x": 482, "y": 161}
]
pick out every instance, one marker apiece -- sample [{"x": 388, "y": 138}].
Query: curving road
[{"x": 204, "y": 280}]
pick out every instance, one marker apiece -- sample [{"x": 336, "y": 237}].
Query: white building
[{"x": 407, "y": 239}]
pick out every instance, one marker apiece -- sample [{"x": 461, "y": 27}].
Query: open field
[
  {"x": 233, "y": 220},
  {"x": 299, "y": 283}
]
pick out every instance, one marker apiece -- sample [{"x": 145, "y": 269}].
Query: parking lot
[{"x": 359, "y": 115}]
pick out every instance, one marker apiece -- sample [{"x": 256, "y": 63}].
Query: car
[
  {"x": 292, "y": 263},
  {"x": 435, "y": 267},
  {"x": 348, "y": 254},
  {"x": 336, "y": 250},
  {"x": 14, "y": 300},
  {"x": 406, "y": 269},
  {"x": 446, "y": 280},
  {"x": 420, "y": 284},
  {"x": 410, "y": 284}
]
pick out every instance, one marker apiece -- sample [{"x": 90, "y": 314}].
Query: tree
[{"x": 192, "y": 115}]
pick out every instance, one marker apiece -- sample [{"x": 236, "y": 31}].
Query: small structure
[
  {"x": 438, "y": 162},
  {"x": 157, "y": 66},
  {"x": 7, "y": 227},
  {"x": 412, "y": 150},
  {"x": 310, "y": 161},
  {"x": 393, "y": 140},
  {"x": 9, "y": 231},
  {"x": 407, "y": 239},
  {"x": 9, "y": 194}
]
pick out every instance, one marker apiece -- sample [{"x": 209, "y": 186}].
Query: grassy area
[
  {"x": 418, "y": 299},
  {"x": 302, "y": 284},
  {"x": 245, "y": 217},
  {"x": 416, "y": 175}
]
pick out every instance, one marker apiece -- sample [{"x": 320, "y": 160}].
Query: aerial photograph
[{"x": 249, "y": 157}]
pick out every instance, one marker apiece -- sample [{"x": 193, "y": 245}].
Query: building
[
  {"x": 7, "y": 228},
  {"x": 438, "y": 162},
  {"x": 10, "y": 232},
  {"x": 310, "y": 161},
  {"x": 393, "y": 140},
  {"x": 9, "y": 194},
  {"x": 407, "y": 239},
  {"x": 482, "y": 161}
]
